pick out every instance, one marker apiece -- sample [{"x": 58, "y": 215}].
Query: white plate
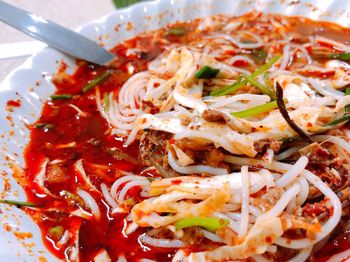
[{"x": 30, "y": 83}]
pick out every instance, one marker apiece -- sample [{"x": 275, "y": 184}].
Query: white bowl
[{"x": 30, "y": 83}]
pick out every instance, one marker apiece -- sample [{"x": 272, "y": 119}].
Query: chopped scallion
[
  {"x": 347, "y": 92},
  {"x": 44, "y": 126},
  {"x": 96, "y": 81},
  {"x": 339, "y": 120},
  {"x": 60, "y": 96},
  {"x": 260, "y": 86},
  {"x": 56, "y": 232},
  {"x": 207, "y": 72},
  {"x": 254, "y": 111},
  {"x": 340, "y": 56},
  {"x": 18, "y": 203},
  {"x": 259, "y": 54},
  {"x": 106, "y": 101},
  {"x": 179, "y": 31},
  {"x": 209, "y": 223},
  {"x": 234, "y": 87}
]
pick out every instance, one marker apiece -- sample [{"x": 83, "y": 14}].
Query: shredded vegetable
[
  {"x": 256, "y": 110},
  {"x": 96, "y": 81},
  {"x": 260, "y": 86},
  {"x": 207, "y": 72},
  {"x": 18, "y": 204},
  {"x": 209, "y": 223},
  {"x": 340, "y": 56},
  {"x": 60, "y": 96}
]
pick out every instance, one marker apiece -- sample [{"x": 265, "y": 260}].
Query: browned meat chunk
[{"x": 263, "y": 145}]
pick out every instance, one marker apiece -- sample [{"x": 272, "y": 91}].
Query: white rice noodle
[
  {"x": 121, "y": 259},
  {"x": 40, "y": 178},
  {"x": 131, "y": 228},
  {"x": 252, "y": 98},
  {"x": 333, "y": 43},
  {"x": 285, "y": 57},
  {"x": 304, "y": 191},
  {"x": 268, "y": 178},
  {"x": 282, "y": 203},
  {"x": 79, "y": 167},
  {"x": 136, "y": 183},
  {"x": 102, "y": 256},
  {"x": 72, "y": 253},
  {"x": 335, "y": 140},
  {"x": 268, "y": 156},
  {"x": 211, "y": 236},
  {"x": 344, "y": 101},
  {"x": 258, "y": 41},
  {"x": 121, "y": 180},
  {"x": 236, "y": 58},
  {"x": 159, "y": 242},
  {"x": 243, "y": 227},
  {"x": 304, "y": 52},
  {"x": 194, "y": 169},
  {"x": 292, "y": 173},
  {"x": 146, "y": 260},
  {"x": 287, "y": 153},
  {"x": 64, "y": 239},
  {"x": 90, "y": 203},
  {"x": 107, "y": 196},
  {"x": 323, "y": 90}
]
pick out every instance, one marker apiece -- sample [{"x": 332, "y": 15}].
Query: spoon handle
[{"x": 54, "y": 35}]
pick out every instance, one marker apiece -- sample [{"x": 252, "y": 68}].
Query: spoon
[{"x": 54, "y": 35}]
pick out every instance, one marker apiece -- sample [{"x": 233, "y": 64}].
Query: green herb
[
  {"x": 106, "y": 100},
  {"x": 339, "y": 120},
  {"x": 72, "y": 198},
  {"x": 209, "y": 223},
  {"x": 159, "y": 168},
  {"x": 207, "y": 72},
  {"x": 96, "y": 81},
  {"x": 259, "y": 54},
  {"x": 56, "y": 232},
  {"x": 179, "y": 31},
  {"x": 61, "y": 96},
  {"x": 124, "y": 3},
  {"x": 260, "y": 86},
  {"x": 18, "y": 204},
  {"x": 340, "y": 56},
  {"x": 44, "y": 126},
  {"x": 254, "y": 111},
  {"x": 347, "y": 92},
  {"x": 234, "y": 87}
]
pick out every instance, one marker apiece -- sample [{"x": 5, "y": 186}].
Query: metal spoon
[{"x": 54, "y": 35}]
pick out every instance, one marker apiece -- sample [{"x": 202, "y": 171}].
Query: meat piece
[
  {"x": 263, "y": 145},
  {"x": 195, "y": 143},
  {"x": 212, "y": 115},
  {"x": 153, "y": 144},
  {"x": 55, "y": 174}
]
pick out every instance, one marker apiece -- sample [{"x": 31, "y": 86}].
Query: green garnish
[
  {"x": 124, "y": 3},
  {"x": 106, "y": 100},
  {"x": 260, "y": 86},
  {"x": 340, "y": 56},
  {"x": 207, "y": 72},
  {"x": 56, "y": 232},
  {"x": 71, "y": 198},
  {"x": 96, "y": 81},
  {"x": 44, "y": 126},
  {"x": 347, "y": 92},
  {"x": 61, "y": 96},
  {"x": 210, "y": 223},
  {"x": 234, "y": 87},
  {"x": 179, "y": 31},
  {"x": 338, "y": 121},
  {"x": 254, "y": 111},
  {"x": 18, "y": 204},
  {"x": 259, "y": 54}
]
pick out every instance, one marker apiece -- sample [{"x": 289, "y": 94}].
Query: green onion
[
  {"x": 209, "y": 223},
  {"x": 347, "y": 92},
  {"x": 96, "y": 81},
  {"x": 339, "y": 120},
  {"x": 207, "y": 72},
  {"x": 56, "y": 232},
  {"x": 254, "y": 111},
  {"x": 44, "y": 126},
  {"x": 106, "y": 100},
  {"x": 61, "y": 96},
  {"x": 234, "y": 87},
  {"x": 261, "y": 87},
  {"x": 259, "y": 54},
  {"x": 341, "y": 56},
  {"x": 124, "y": 3},
  {"x": 179, "y": 31},
  {"x": 18, "y": 203}
]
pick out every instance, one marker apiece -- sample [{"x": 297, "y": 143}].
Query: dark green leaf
[
  {"x": 18, "y": 203},
  {"x": 259, "y": 54},
  {"x": 207, "y": 72},
  {"x": 124, "y": 3},
  {"x": 339, "y": 120},
  {"x": 347, "y": 92}
]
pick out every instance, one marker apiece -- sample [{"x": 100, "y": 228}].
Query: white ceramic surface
[{"x": 30, "y": 83}]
